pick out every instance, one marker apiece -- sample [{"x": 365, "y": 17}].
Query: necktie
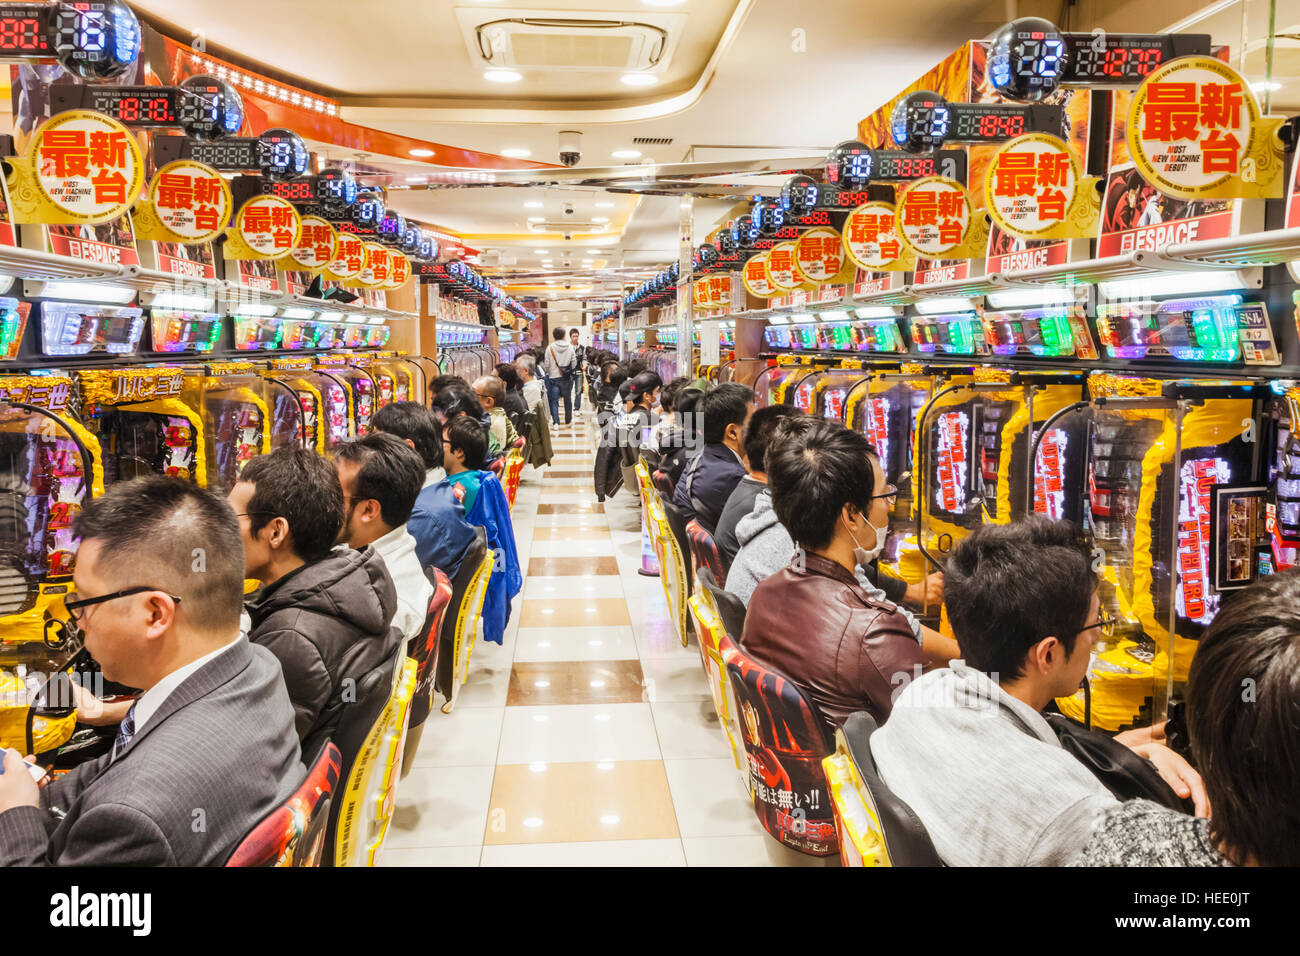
[{"x": 124, "y": 733}]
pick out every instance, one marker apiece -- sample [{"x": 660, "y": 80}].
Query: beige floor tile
[
  {"x": 431, "y": 856},
  {"x": 710, "y": 799},
  {"x": 598, "y": 533},
  {"x": 676, "y": 675},
  {"x": 575, "y": 644},
  {"x": 441, "y": 806},
  {"x": 538, "y": 587},
  {"x": 578, "y": 733},
  {"x": 582, "y": 612},
  {"x": 549, "y": 802},
  {"x": 689, "y": 729},
  {"x": 619, "y": 853},
  {"x": 466, "y": 737},
  {"x": 539, "y": 683}
]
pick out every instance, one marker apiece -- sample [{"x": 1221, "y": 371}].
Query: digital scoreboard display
[
  {"x": 203, "y": 106},
  {"x": 853, "y": 165},
  {"x": 924, "y": 121},
  {"x": 277, "y": 155},
  {"x": 1029, "y": 58},
  {"x": 91, "y": 39}
]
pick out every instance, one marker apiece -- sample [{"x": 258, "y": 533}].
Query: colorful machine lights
[
  {"x": 12, "y": 323},
  {"x": 178, "y": 331},
  {"x": 1202, "y": 329},
  {"x": 254, "y": 333}
]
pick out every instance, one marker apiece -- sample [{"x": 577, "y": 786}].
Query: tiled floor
[{"x": 588, "y": 738}]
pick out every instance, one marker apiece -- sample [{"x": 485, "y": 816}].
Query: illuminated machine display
[
  {"x": 232, "y": 398},
  {"x": 360, "y": 389}
]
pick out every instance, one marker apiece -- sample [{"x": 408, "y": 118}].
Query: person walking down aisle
[
  {"x": 327, "y": 615},
  {"x": 213, "y": 726},
  {"x": 559, "y": 366},
  {"x": 579, "y": 363}
]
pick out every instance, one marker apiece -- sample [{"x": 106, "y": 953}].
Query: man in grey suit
[{"x": 209, "y": 749}]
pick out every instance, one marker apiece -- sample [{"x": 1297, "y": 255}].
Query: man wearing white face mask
[{"x": 847, "y": 648}]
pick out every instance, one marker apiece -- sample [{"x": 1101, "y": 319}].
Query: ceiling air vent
[
  {"x": 652, "y": 140},
  {"x": 570, "y": 43}
]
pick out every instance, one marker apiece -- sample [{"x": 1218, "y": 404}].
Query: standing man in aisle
[
  {"x": 559, "y": 366},
  {"x": 159, "y": 582},
  {"x": 579, "y": 363}
]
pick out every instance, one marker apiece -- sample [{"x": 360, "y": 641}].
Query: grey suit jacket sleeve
[
  {"x": 105, "y": 835},
  {"x": 305, "y": 675}
]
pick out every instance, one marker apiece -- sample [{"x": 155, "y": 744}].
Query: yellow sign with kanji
[
  {"x": 871, "y": 239},
  {"x": 266, "y": 227},
  {"x": 782, "y": 269},
  {"x": 349, "y": 258},
  {"x": 81, "y": 168},
  {"x": 819, "y": 254},
  {"x": 374, "y": 274},
  {"x": 935, "y": 220},
  {"x": 1195, "y": 132},
  {"x": 1033, "y": 189},
  {"x": 399, "y": 270},
  {"x": 187, "y": 203},
  {"x": 315, "y": 248},
  {"x": 754, "y": 275}
]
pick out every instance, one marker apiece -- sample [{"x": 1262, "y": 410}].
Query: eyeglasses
[
  {"x": 892, "y": 491},
  {"x": 76, "y": 609},
  {"x": 1105, "y": 622}
]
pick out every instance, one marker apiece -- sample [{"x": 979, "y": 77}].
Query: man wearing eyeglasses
[
  {"x": 968, "y": 748},
  {"x": 209, "y": 748}
]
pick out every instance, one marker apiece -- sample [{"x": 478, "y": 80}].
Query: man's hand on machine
[
  {"x": 94, "y": 712},
  {"x": 1176, "y": 772},
  {"x": 18, "y": 788},
  {"x": 925, "y": 593}
]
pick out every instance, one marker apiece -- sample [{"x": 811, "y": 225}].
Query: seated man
[
  {"x": 842, "y": 646},
  {"x": 159, "y": 582},
  {"x": 967, "y": 747},
  {"x": 327, "y": 615},
  {"x": 381, "y": 478},
  {"x": 1245, "y": 743},
  {"x": 491, "y": 392},
  {"x": 713, "y": 474},
  {"x": 437, "y": 522},
  {"x": 685, "y": 439},
  {"x": 456, "y": 401},
  {"x": 514, "y": 404},
  {"x": 741, "y": 502},
  {"x": 464, "y": 441}
]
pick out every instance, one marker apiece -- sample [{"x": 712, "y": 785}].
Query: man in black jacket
[
  {"x": 712, "y": 476},
  {"x": 326, "y": 615}
]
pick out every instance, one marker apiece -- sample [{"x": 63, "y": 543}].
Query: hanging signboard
[
  {"x": 1195, "y": 132},
  {"x": 782, "y": 270},
  {"x": 374, "y": 274},
  {"x": 819, "y": 254},
  {"x": 754, "y": 275},
  {"x": 266, "y": 227},
  {"x": 187, "y": 203},
  {"x": 871, "y": 239},
  {"x": 81, "y": 168},
  {"x": 1034, "y": 190},
  {"x": 935, "y": 220},
  {"x": 399, "y": 270},
  {"x": 349, "y": 258},
  {"x": 315, "y": 248}
]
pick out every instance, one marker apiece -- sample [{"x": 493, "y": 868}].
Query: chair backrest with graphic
[
  {"x": 677, "y": 522},
  {"x": 663, "y": 484},
  {"x": 785, "y": 744},
  {"x": 469, "y": 565},
  {"x": 730, "y": 608},
  {"x": 423, "y": 648},
  {"x": 705, "y": 551},
  {"x": 293, "y": 834},
  {"x": 886, "y": 832},
  {"x": 709, "y": 631},
  {"x": 674, "y": 568}
]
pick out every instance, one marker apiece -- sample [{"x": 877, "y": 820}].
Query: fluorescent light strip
[
  {"x": 1024, "y": 298},
  {"x": 1173, "y": 283},
  {"x": 941, "y": 305},
  {"x": 254, "y": 309},
  {"x": 292, "y": 312},
  {"x": 88, "y": 292},
  {"x": 184, "y": 301}
]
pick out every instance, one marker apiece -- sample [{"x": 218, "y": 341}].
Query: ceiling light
[
  {"x": 532, "y": 204},
  {"x": 537, "y": 219},
  {"x": 1264, "y": 86},
  {"x": 516, "y": 152},
  {"x": 600, "y": 218},
  {"x": 593, "y": 252},
  {"x": 416, "y": 179},
  {"x": 626, "y": 154},
  {"x": 421, "y": 152},
  {"x": 604, "y": 205},
  {"x": 502, "y": 76},
  {"x": 539, "y": 252},
  {"x": 639, "y": 79}
]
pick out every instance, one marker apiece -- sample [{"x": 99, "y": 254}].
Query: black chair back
[
  {"x": 355, "y": 723},
  {"x": 731, "y": 609},
  {"x": 459, "y": 586},
  {"x": 677, "y": 522},
  {"x": 905, "y": 838}
]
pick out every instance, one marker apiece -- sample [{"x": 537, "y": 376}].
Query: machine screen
[
  {"x": 177, "y": 331},
  {"x": 1197, "y": 330},
  {"x": 13, "y": 321},
  {"x": 833, "y": 402},
  {"x": 70, "y": 329},
  {"x": 953, "y": 334},
  {"x": 951, "y": 448},
  {"x": 878, "y": 335},
  {"x": 1049, "y": 474},
  {"x": 254, "y": 333},
  {"x": 1038, "y": 331}
]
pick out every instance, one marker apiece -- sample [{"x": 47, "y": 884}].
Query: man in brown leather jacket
[{"x": 813, "y": 621}]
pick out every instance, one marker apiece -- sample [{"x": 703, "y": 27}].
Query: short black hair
[
  {"x": 614, "y": 375},
  {"x": 634, "y": 367},
  {"x": 669, "y": 393},
  {"x": 390, "y": 472},
  {"x": 457, "y": 400},
  {"x": 687, "y": 399},
  {"x": 468, "y": 435},
  {"x": 152, "y": 531},
  {"x": 641, "y": 386},
  {"x": 412, "y": 421},
  {"x": 573, "y": 331},
  {"x": 510, "y": 375},
  {"x": 302, "y": 487},
  {"x": 1009, "y": 586},
  {"x": 558, "y": 333},
  {"x": 814, "y": 468},
  {"x": 759, "y": 432},
  {"x": 725, "y": 405},
  {"x": 1243, "y": 708},
  {"x": 442, "y": 382}
]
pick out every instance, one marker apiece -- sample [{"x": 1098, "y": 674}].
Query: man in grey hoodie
[
  {"x": 967, "y": 747},
  {"x": 559, "y": 365}
]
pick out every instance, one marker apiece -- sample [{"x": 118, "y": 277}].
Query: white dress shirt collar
[{"x": 147, "y": 704}]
